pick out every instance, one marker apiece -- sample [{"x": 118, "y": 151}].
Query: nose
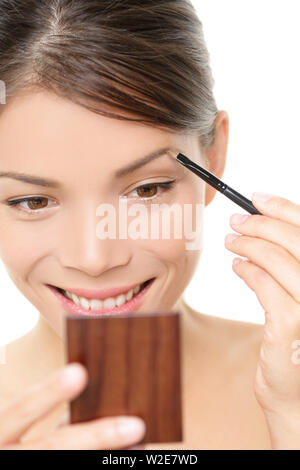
[{"x": 83, "y": 250}]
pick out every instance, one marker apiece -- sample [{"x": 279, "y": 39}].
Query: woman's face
[{"x": 53, "y": 240}]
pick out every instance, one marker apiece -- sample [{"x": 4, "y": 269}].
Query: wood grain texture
[{"x": 134, "y": 366}]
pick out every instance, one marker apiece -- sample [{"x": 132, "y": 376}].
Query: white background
[{"x": 254, "y": 51}]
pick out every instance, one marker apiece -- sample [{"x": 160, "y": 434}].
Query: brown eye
[
  {"x": 147, "y": 191},
  {"x": 37, "y": 203},
  {"x": 30, "y": 205},
  {"x": 153, "y": 190}
]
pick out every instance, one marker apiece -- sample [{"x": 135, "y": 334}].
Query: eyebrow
[
  {"x": 50, "y": 183},
  {"x": 143, "y": 161},
  {"x": 30, "y": 179}
]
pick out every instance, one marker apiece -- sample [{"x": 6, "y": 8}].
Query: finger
[
  {"x": 280, "y": 308},
  {"x": 64, "y": 420},
  {"x": 103, "y": 433},
  {"x": 278, "y": 207},
  {"x": 18, "y": 416},
  {"x": 276, "y": 231},
  {"x": 274, "y": 259}
]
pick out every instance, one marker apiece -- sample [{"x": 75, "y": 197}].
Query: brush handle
[
  {"x": 216, "y": 183},
  {"x": 240, "y": 200}
]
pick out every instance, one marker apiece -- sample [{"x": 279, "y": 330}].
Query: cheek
[
  {"x": 179, "y": 255},
  {"x": 178, "y": 228},
  {"x": 20, "y": 247},
  {"x": 174, "y": 255},
  {"x": 174, "y": 266}
]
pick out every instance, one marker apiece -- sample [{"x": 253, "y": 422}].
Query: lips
[
  {"x": 130, "y": 306},
  {"x": 99, "y": 293}
]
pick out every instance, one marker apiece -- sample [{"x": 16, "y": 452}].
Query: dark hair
[{"x": 145, "y": 57}]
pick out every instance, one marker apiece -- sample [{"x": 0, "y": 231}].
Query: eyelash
[
  {"x": 166, "y": 186},
  {"x": 15, "y": 203}
]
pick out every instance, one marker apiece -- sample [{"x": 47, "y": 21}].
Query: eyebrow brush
[{"x": 219, "y": 185}]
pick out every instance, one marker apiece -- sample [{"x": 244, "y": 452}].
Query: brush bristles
[{"x": 173, "y": 153}]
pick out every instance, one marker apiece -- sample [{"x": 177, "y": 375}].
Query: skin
[{"x": 232, "y": 377}]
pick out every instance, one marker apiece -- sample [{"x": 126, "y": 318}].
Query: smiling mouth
[{"x": 111, "y": 304}]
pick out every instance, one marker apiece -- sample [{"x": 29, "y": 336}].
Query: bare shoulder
[
  {"x": 241, "y": 338},
  {"x": 235, "y": 329},
  {"x": 237, "y": 338}
]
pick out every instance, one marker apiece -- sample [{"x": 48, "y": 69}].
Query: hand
[
  {"x": 271, "y": 244},
  {"x": 39, "y": 400}
]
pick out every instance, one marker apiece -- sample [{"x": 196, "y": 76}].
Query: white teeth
[
  {"x": 84, "y": 303},
  {"x": 121, "y": 299},
  {"x": 97, "y": 304},
  {"x": 109, "y": 303},
  {"x": 75, "y": 299},
  {"x": 129, "y": 294}
]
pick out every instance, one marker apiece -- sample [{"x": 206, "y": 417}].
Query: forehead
[
  {"x": 42, "y": 134},
  {"x": 42, "y": 120}
]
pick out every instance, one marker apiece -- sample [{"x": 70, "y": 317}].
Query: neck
[
  {"x": 41, "y": 347},
  {"x": 48, "y": 341}
]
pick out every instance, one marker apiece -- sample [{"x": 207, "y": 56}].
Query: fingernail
[
  {"x": 132, "y": 427},
  {"x": 236, "y": 261},
  {"x": 261, "y": 197},
  {"x": 71, "y": 374},
  {"x": 230, "y": 237},
  {"x": 238, "y": 219}
]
